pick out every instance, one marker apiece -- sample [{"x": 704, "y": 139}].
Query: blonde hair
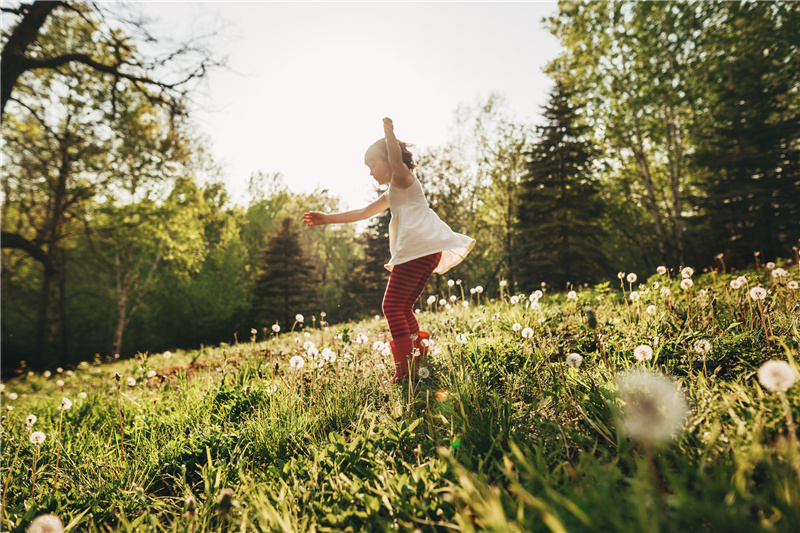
[{"x": 380, "y": 147}]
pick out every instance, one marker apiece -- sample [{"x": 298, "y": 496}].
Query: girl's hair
[{"x": 408, "y": 157}]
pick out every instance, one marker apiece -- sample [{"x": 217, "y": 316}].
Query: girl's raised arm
[
  {"x": 317, "y": 218},
  {"x": 401, "y": 175}
]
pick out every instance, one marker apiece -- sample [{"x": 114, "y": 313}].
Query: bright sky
[{"x": 307, "y": 84}]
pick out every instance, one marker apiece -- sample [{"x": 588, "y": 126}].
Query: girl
[{"x": 420, "y": 244}]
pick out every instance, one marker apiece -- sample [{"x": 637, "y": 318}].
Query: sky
[{"x": 307, "y": 84}]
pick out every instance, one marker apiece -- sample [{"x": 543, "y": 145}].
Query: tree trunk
[{"x": 674, "y": 158}]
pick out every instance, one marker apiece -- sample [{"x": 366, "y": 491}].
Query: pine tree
[
  {"x": 559, "y": 211},
  {"x": 369, "y": 276},
  {"x": 286, "y": 284}
]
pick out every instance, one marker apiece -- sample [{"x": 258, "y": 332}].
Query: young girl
[{"x": 420, "y": 244}]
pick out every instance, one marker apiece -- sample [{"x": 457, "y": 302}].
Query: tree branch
[{"x": 18, "y": 242}]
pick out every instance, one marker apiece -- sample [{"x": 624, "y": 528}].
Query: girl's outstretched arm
[
  {"x": 401, "y": 175},
  {"x": 317, "y": 218}
]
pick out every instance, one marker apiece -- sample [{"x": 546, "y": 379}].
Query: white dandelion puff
[
  {"x": 514, "y": 300},
  {"x": 527, "y": 333},
  {"x": 516, "y": 327},
  {"x": 60, "y": 383},
  {"x": 661, "y": 270},
  {"x": 308, "y": 345},
  {"x": 687, "y": 272},
  {"x": 167, "y": 354},
  {"x": 643, "y": 353},
  {"x": 31, "y": 420},
  {"x": 631, "y": 277},
  {"x": 770, "y": 265},
  {"x": 758, "y": 293},
  {"x": 450, "y": 282},
  {"x": 65, "y": 404},
  {"x": 298, "y": 317},
  {"x": 503, "y": 283},
  {"x": 329, "y": 355},
  {"x": 276, "y": 328},
  {"x": 572, "y": 295},
  {"x": 701, "y": 346},
  {"x": 37, "y": 437},
  {"x": 736, "y": 284},
  {"x": 634, "y": 296},
  {"x": 479, "y": 289},
  {"x": 297, "y": 362},
  {"x": 777, "y": 376},
  {"x": 654, "y": 410},
  {"x": 651, "y": 309},
  {"x": 574, "y": 360},
  {"x": 12, "y": 396},
  {"x": 423, "y": 372},
  {"x": 151, "y": 374},
  {"x": 46, "y": 523},
  {"x": 431, "y": 299},
  {"x": 621, "y": 275},
  {"x": 461, "y": 338},
  {"x": 131, "y": 382},
  {"x": 793, "y": 285},
  {"x": 779, "y": 273},
  {"x": 686, "y": 284},
  {"x": 665, "y": 292}
]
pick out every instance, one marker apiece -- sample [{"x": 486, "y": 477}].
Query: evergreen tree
[
  {"x": 369, "y": 277},
  {"x": 559, "y": 216},
  {"x": 285, "y": 285}
]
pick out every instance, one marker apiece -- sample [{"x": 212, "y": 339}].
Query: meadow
[{"x": 657, "y": 403}]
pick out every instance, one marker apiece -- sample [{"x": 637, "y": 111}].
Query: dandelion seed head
[
  {"x": 779, "y": 273},
  {"x": 46, "y": 523},
  {"x": 758, "y": 293},
  {"x": 151, "y": 374},
  {"x": 687, "y": 272},
  {"x": 65, "y": 404},
  {"x": 276, "y": 328},
  {"x": 527, "y": 333},
  {"x": 736, "y": 284},
  {"x": 461, "y": 338},
  {"x": 329, "y": 355},
  {"x": 442, "y": 302},
  {"x": 465, "y": 304},
  {"x": 431, "y": 299},
  {"x": 643, "y": 352},
  {"x": 37, "y": 437},
  {"x": 651, "y": 309},
  {"x": 635, "y": 296},
  {"x": 450, "y": 282},
  {"x": 82, "y": 395},
  {"x": 770, "y": 265},
  {"x": 503, "y": 283},
  {"x": 574, "y": 360},
  {"x": 621, "y": 275},
  {"x": 47, "y": 374},
  {"x": 12, "y": 396},
  {"x": 516, "y": 327},
  {"x": 253, "y": 331},
  {"x": 472, "y": 290},
  {"x": 572, "y": 295},
  {"x": 701, "y": 346},
  {"x": 661, "y": 270},
  {"x": 686, "y": 284},
  {"x": 654, "y": 409},
  {"x": 514, "y": 300},
  {"x": 479, "y": 289},
  {"x": 665, "y": 292},
  {"x": 31, "y": 420},
  {"x": 297, "y": 362},
  {"x": 308, "y": 345},
  {"x": 423, "y": 372},
  {"x": 131, "y": 382},
  {"x": 777, "y": 376},
  {"x": 793, "y": 285},
  {"x": 631, "y": 277},
  {"x": 167, "y": 354},
  {"x": 298, "y": 317}
]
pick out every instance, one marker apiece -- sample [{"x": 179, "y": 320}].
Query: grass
[{"x": 503, "y": 435}]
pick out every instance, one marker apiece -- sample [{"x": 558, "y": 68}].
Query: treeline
[{"x": 671, "y": 136}]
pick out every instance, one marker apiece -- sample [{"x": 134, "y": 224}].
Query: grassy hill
[{"x": 622, "y": 407}]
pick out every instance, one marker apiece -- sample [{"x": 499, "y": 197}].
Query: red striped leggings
[{"x": 406, "y": 283}]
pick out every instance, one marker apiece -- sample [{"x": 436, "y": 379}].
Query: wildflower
[
  {"x": 621, "y": 275},
  {"x": 793, "y": 285},
  {"x": 450, "y": 282},
  {"x": 686, "y": 284},
  {"x": 271, "y": 388},
  {"x": 514, "y": 300},
  {"x": 654, "y": 406},
  {"x": 779, "y": 273},
  {"x": 702, "y": 347},
  {"x": 777, "y": 376},
  {"x": 631, "y": 277},
  {"x": 634, "y": 296},
  {"x": 516, "y": 327},
  {"x": 442, "y": 395},
  {"x": 423, "y": 372},
  {"x": 66, "y": 404},
  {"x": 572, "y": 295},
  {"x": 665, "y": 291},
  {"x": 770, "y": 265},
  {"x": 574, "y": 360},
  {"x": 298, "y": 317},
  {"x": 308, "y": 345},
  {"x": 297, "y": 362},
  {"x": 687, "y": 272},
  {"x": 131, "y": 382},
  {"x": 742, "y": 280},
  {"x": 661, "y": 270},
  {"x": 12, "y": 396},
  {"x": 651, "y": 309},
  {"x": 378, "y": 346},
  {"x": 527, "y": 333},
  {"x": 465, "y": 304},
  {"x": 503, "y": 283},
  {"x": 758, "y": 293},
  {"x": 736, "y": 284},
  {"x": 537, "y": 294},
  {"x": 313, "y": 352},
  {"x": 535, "y": 306},
  {"x": 329, "y": 355},
  {"x": 461, "y": 338},
  {"x": 643, "y": 353},
  {"x": 361, "y": 338},
  {"x": 479, "y": 289},
  {"x": 37, "y": 437},
  {"x": 82, "y": 395},
  {"x": 442, "y": 302},
  {"x": 60, "y": 383},
  {"x": 46, "y": 523},
  {"x": 167, "y": 354},
  {"x": 431, "y": 299},
  {"x": 276, "y": 328}
]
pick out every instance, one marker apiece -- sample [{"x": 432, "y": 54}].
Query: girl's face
[{"x": 378, "y": 168}]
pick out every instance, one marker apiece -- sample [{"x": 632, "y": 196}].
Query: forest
[{"x": 671, "y": 137}]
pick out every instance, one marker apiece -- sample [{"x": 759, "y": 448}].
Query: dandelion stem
[
  {"x": 121, "y": 430},
  {"x": 5, "y": 487},
  {"x": 58, "y": 449}
]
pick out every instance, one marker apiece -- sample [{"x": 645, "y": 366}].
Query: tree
[
  {"x": 559, "y": 211},
  {"x": 285, "y": 284}
]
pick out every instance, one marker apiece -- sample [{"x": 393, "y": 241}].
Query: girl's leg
[{"x": 406, "y": 283}]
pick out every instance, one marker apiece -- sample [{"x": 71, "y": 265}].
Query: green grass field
[{"x": 506, "y": 433}]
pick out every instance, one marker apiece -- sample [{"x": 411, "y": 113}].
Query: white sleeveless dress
[{"x": 415, "y": 231}]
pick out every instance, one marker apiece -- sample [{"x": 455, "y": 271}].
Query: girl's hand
[
  {"x": 315, "y": 218},
  {"x": 388, "y": 127}
]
